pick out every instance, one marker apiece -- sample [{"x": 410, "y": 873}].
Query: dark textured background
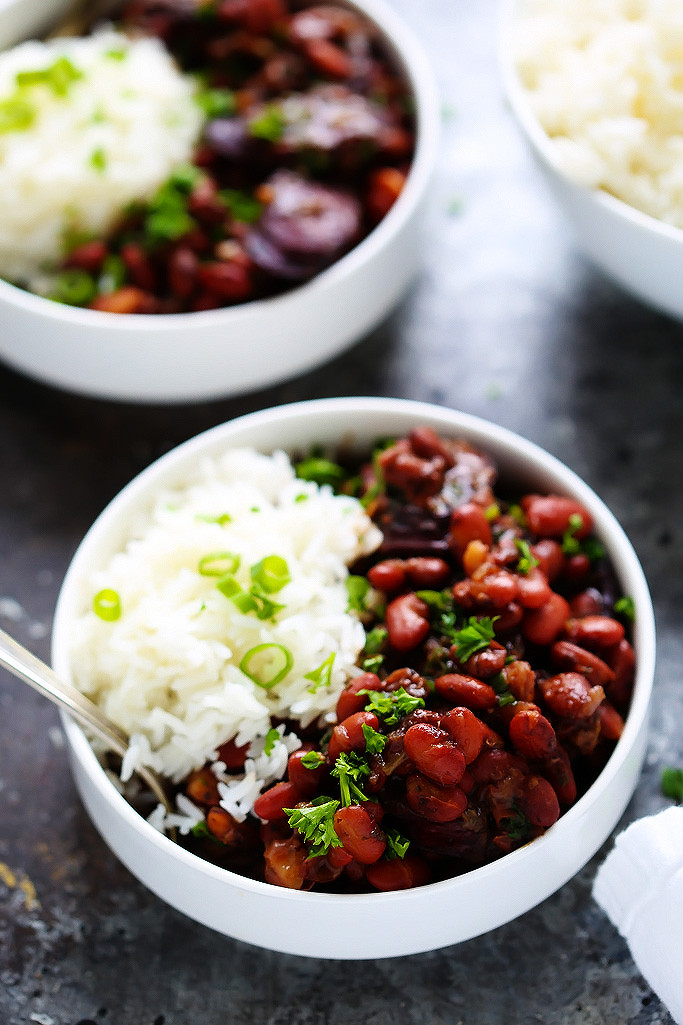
[{"x": 507, "y": 321}]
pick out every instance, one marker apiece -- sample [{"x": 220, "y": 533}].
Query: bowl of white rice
[
  {"x": 89, "y": 126},
  {"x": 595, "y": 89},
  {"x": 169, "y": 671}
]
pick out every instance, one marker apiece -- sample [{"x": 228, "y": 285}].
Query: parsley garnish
[
  {"x": 671, "y": 782},
  {"x": 321, "y": 471},
  {"x": 391, "y": 706},
  {"x": 626, "y": 607},
  {"x": 272, "y": 737},
  {"x": 475, "y": 636},
  {"x": 350, "y": 769},
  {"x": 374, "y": 639},
  {"x": 315, "y": 823},
  {"x": 527, "y": 560},
  {"x": 357, "y": 589},
  {"x": 269, "y": 125},
  {"x": 322, "y": 676},
  {"x": 397, "y": 845},
  {"x": 374, "y": 741},
  {"x": 312, "y": 759}
]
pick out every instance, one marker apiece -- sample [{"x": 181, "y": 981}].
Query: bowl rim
[
  {"x": 540, "y": 141},
  {"x": 498, "y": 438},
  {"x": 409, "y": 54}
]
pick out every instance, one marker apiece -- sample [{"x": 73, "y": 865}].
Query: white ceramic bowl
[
  {"x": 405, "y": 922},
  {"x": 217, "y": 353},
  {"x": 640, "y": 253}
]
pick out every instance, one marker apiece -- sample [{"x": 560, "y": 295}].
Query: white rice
[
  {"x": 167, "y": 670},
  {"x": 114, "y": 137},
  {"x": 604, "y": 78}
]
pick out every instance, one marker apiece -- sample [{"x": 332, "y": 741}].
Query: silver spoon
[{"x": 31, "y": 670}]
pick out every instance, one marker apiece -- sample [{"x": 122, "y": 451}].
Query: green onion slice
[
  {"x": 271, "y": 574},
  {"x": 218, "y": 564},
  {"x": 107, "y": 605},
  {"x": 267, "y": 664}
]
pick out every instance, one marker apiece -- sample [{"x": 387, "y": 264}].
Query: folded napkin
[{"x": 640, "y": 888}]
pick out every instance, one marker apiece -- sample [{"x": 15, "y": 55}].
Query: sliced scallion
[
  {"x": 218, "y": 564},
  {"x": 107, "y": 605},
  {"x": 267, "y": 664},
  {"x": 271, "y": 574}
]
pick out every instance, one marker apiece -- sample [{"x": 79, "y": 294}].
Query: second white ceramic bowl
[
  {"x": 640, "y": 253},
  {"x": 371, "y": 925},
  {"x": 217, "y": 353}
]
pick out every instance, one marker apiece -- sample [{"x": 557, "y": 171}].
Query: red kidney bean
[
  {"x": 468, "y": 523},
  {"x": 466, "y": 730},
  {"x": 285, "y": 863},
  {"x": 351, "y": 700},
  {"x": 88, "y": 257},
  {"x": 572, "y": 657},
  {"x": 427, "y": 572},
  {"x": 466, "y": 690},
  {"x": 398, "y": 873},
  {"x": 182, "y": 268},
  {"x": 338, "y": 857},
  {"x": 595, "y": 631},
  {"x": 494, "y": 764},
  {"x": 328, "y": 58},
  {"x": 552, "y": 516},
  {"x": 544, "y": 625},
  {"x": 232, "y": 756},
  {"x": 622, "y": 661},
  {"x": 388, "y": 575},
  {"x": 227, "y": 280},
  {"x": 202, "y": 787},
  {"x": 570, "y": 695},
  {"x": 467, "y": 784},
  {"x": 305, "y": 780},
  {"x": 434, "y": 753},
  {"x": 139, "y": 266},
  {"x": 407, "y": 620},
  {"x": 484, "y": 664},
  {"x": 558, "y": 771},
  {"x": 533, "y": 735},
  {"x": 427, "y": 443},
  {"x": 359, "y": 834},
  {"x": 508, "y": 617},
  {"x": 434, "y": 802},
  {"x": 408, "y": 679},
  {"x": 550, "y": 557},
  {"x": 384, "y": 187},
  {"x": 611, "y": 722},
  {"x": 533, "y": 589},
  {"x": 577, "y": 569},
  {"x": 270, "y": 804},
  {"x": 416, "y": 477},
  {"x": 348, "y": 735},
  {"x": 539, "y": 802},
  {"x": 587, "y": 603}
]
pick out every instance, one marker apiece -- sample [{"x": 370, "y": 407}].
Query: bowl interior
[{"x": 479, "y": 900}]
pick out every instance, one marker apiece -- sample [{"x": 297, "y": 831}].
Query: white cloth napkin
[{"x": 640, "y": 888}]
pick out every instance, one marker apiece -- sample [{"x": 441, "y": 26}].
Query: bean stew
[
  {"x": 307, "y": 143},
  {"x": 493, "y": 686}
]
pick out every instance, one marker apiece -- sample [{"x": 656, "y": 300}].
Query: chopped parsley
[
  {"x": 475, "y": 636},
  {"x": 269, "y": 124},
  {"x": 357, "y": 588},
  {"x": 272, "y": 737},
  {"x": 321, "y": 471},
  {"x": 671, "y": 782},
  {"x": 322, "y": 676},
  {"x": 391, "y": 706},
  {"x": 397, "y": 845},
  {"x": 315, "y": 824},
  {"x": 374, "y": 741},
  {"x": 351, "y": 770},
  {"x": 527, "y": 560},
  {"x": 312, "y": 759},
  {"x": 626, "y": 607}
]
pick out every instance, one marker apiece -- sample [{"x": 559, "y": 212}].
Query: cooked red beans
[
  {"x": 307, "y": 145},
  {"x": 490, "y": 696}
]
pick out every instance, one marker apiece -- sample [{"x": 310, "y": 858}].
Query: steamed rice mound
[
  {"x": 167, "y": 670},
  {"x": 605, "y": 80},
  {"x": 106, "y": 133}
]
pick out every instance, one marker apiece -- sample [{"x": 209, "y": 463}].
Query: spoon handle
[
  {"x": 39, "y": 676},
  {"x": 31, "y": 670}
]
